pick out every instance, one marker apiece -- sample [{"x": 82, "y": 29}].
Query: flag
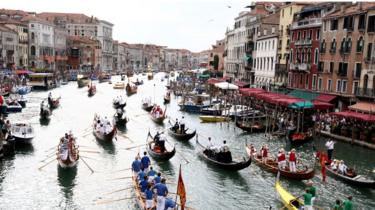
[{"x": 181, "y": 190}]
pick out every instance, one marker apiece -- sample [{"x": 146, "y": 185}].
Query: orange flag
[{"x": 181, "y": 190}]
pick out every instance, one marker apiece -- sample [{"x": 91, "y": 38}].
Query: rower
[
  {"x": 157, "y": 137},
  {"x": 136, "y": 166},
  {"x": 170, "y": 204},
  {"x": 209, "y": 144},
  {"x": 149, "y": 197},
  {"x": 141, "y": 174},
  {"x": 292, "y": 161},
  {"x": 161, "y": 192},
  {"x": 143, "y": 184},
  {"x": 145, "y": 162},
  {"x": 264, "y": 153},
  {"x": 225, "y": 155},
  {"x": 307, "y": 200},
  {"x": 49, "y": 97},
  {"x": 162, "y": 140},
  {"x": 182, "y": 125},
  {"x": 312, "y": 191},
  {"x": 151, "y": 174},
  {"x": 157, "y": 179},
  {"x": 176, "y": 126},
  {"x": 281, "y": 159}
]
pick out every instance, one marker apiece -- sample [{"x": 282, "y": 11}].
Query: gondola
[
  {"x": 290, "y": 201},
  {"x": 232, "y": 166},
  {"x": 300, "y": 138},
  {"x": 147, "y": 106},
  {"x": 92, "y": 90},
  {"x": 150, "y": 76},
  {"x": 352, "y": 178},
  {"x": 138, "y": 82},
  {"x": 272, "y": 166},
  {"x": 22, "y": 132},
  {"x": 54, "y": 102},
  {"x": 158, "y": 119},
  {"x": 209, "y": 118},
  {"x": 13, "y": 106},
  {"x": 104, "y": 78},
  {"x": 167, "y": 98},
  {"x": 130, "y": 90},
  {"x": 155, "y": 152},
  {"x": 67, "y": 153},
  {"x": 119, "y": 85},
  {"x": 101, "y": 136},
  {"x": 45, "y": 112},
  {"x": 82, "y": 81},
  {"x": 183, "y": 137},
  {"x": 118, "y": 104},
  {"x": 256, "y": 127},
  {"x": 120, "y": 122}
]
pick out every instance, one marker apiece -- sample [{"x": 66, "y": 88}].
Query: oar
[
  {"x": 111, "y": 201},
  {"x": 126, "y": 188},
  {"x": 124, "y": 177},
  {"x": 89, "y": 157},
  {"x": 127, "y": 148},
  {"x": 126, "y": 169},
  {"x": 83, "y": 160},
  {"x": 89, "y": 151},
  {"x": 40, "y": 168},
  {"x": 47, "y": 158}
]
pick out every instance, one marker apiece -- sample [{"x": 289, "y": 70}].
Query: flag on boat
[{"x": 181, "y": 190}]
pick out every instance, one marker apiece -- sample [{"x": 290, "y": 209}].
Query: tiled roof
[
  {"x": 3, "y": 28},
  {"x": 68, "y": 17},
  {"x": 351, "y": 10}
]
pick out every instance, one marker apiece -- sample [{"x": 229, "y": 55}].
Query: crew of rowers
[
  {"x": 179, "y": 126},
  {"x": 339, "y": 166},
  {"x": 159, "y": 140},
  {"x": 281, "y": 157},
  {"x": 67, "y": 143},
  {"x": 103, "y": 125},
  {"x": 151, "y": 184},
  {"x": 157, "y": 111}
]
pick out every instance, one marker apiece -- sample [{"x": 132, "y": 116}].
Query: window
[
  {"x": 324, "y": 25},
  {"x": 333, "y": 46},
  {"x": 343, "y": 69},
  {"x": 343, "y": 84},
  {"x": 314, "y": 82},
  {"x": 282, "y": 12},
  {"x": 321, "y": 66},
  {"x": 319, "y": 83},
  {"x": 329, "y": 85},
  {"x": 316, "y": 56},
  {"x": 348, "y": 47},
  {"x": 338, "y": 85},
  {"x": 348, "y": 23},
  {"x": 273, "y": 44},
  {"x": 317, "y": 34},
  {"x": 310, "y": 35},
  {"x": 280, "y": 43},
  {"x": 358, "y": 69},
  {"x": 299, "y": 35},
  {"x": 362, "y": 22},
  {"x": 291, "y": 56},
  {"x": 303, "y": 56},
  {"x": 331, "y": 67},
  {"x": 290, "y": 11},
  {"x": 304, "y": 35},
  {"x": 301, "y": 79},
  {"x": 371, "y": 24},
  {"x": 369, "y": 51},
  {"x": 323, "y": 46},
  {"x": 360, "y": 44},
  {"x": 334, "y": 24},
  {"x": 355, "y": 87},
  {"x": 309, "y": 56},
  {"x": 32, "y": 50}
]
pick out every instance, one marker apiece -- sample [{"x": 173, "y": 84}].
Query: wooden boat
[
  {"x": 209, "y": 118},
  {"x": 181, "y": 136},
  {"x": 150, "y": 76},
  {"x": 138, "y": 82},
  {"x": 167, "y": 98},
  {"x": 300, "y": 138},
  {"x": 101, "y": 136},
  {"x": 120, "y": 122},
  {"x": 160, "y": 118},
  {"x": 82, "y": 81},
  {"x": 13, "y": 106},
  {"x": 272, "y": 166},
  {"x": 67, "y": 154},
  {"x": 104, "y": 78},
  {"x": 119, "y": 85},
  {"x": 130, "y": 90},
  {"x": 154, "y": 151},
  {"x": 352, "y": 178},
  {"x": 232, "y": 166},
  {"x": 92, "y": 90},
  {"x": 54, "y": 102},
  {"x": 256, "y": 127},
  {"x": 22, "y": 132},
  {"x": 141, "y": 200},
  {"x": 45, "y": 112},
  {"x": 290, "y": 201},
  {"x": 147, "y": 106},
  {"x": 118, "y": 105}
]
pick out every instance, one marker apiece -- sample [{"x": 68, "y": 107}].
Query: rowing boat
[
  {"x": 255, "y": 127},
  {"x": 232, "y": 166},
  {"x": 54, "y": 102},
  {"x": 352, "y": 178},
  {"x": 102, "y": 136},
  {"x": 130, "y": 90},
  {"x": 154, "y": 151},
  {"x": 290, "y": 201},
  {"x": 158, "y": 118},
  {"x": 272, "y": 166},
  {"x": 22, "y": 132},
  {"x": 67, "y": 153},
  {"x": 92, "y": 90},
  {"x": 208, "y": 118},
  {"x": 119, "y": 85},
  {"x": 181, "y": 136}
]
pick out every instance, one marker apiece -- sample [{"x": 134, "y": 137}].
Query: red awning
[
  {"x": 322, "y": 105},
  {"x": 213, "y": 81},
  {"x": 363, "y": 107},
  {"x": 269, "y": 97},
  {"x": 287, "y": 101},
  {"x": 251, "y": 91},
  {"x": 355, "y": 115},
  {"x": 23, "y": 72},
  {"x": 241, "y": 84},
  {"x": 325, "y": 98}
]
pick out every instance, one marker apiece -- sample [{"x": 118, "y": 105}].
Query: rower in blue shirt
[
  {"x": 170, "y": 204},
  {"x": 157, "y": 179},
  {"x": 151, "y": 174},
  {"x": 161, "y": 192},
  {"x": 145, "y": 162},
  {"x": 141, "y": 175},
  {"x": 143, "y": 184},
  {"x": 149, "y": 195},
  {"x": 136, "y": 166}
]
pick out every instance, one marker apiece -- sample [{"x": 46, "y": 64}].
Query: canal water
[{"x": 23, "y": 186}]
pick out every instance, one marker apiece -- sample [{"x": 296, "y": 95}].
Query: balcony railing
[
  {"x": 300, "y": 66},
  {"x": 303, "y": 42},
  {"x": 365, "y": 92},
  {"x": 307, "y": 23}
]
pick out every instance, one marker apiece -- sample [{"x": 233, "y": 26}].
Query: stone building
[
  {"x": 84, "y": 54},
  {"x": 8, "y": 47},
  {"x": 217, "y": 53}
]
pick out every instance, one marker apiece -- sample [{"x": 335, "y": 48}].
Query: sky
[{"x": 190, "y": 24}]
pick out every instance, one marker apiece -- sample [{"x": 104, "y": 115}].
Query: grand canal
[{"x": 23, "y": 186}]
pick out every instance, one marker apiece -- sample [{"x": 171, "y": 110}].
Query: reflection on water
[{"x": 66, "y": 178}]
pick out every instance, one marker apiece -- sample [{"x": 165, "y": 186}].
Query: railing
[
  {"x": 307, "y": 23},
  {"x": 303, "y": 42},
  {"x": 332, "y": 50},
  {"x": 300, "y": 66},
  {"x": 365, "y": 92}
]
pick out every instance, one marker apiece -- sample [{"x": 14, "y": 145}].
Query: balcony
[
  {"x": 300, "y": 67},
  {"x": 313, "y": 22},
  {"x": 303, "y": 42},
  {"x": 332, "y": 50},
  {"x": 365, "y": 92},
  {"x": 280, "y": 68}
]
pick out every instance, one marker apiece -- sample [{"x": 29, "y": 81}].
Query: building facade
[
  {"x": 216, "y": 59},
  {"x": 83, "y": 53},
  {"x": 22, "y": 48},
  {"x": 8, "y": 47}
]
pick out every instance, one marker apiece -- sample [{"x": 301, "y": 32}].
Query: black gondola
[
  {"x": 158, "y": 155},
  {"x": 118, "y": 105},
  {"x": 231, "y": 166},
  {"x": 147, "y": 106},
  {"x": 181, "y": 136},
  {"x": 352, "y": 178},
  {"x": 120, "y": 121}
]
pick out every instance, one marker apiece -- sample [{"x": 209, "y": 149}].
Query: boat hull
[
  {"x": 353, "y": 181},
  {"x": 181, "y": 137},
  {"x": 156, "y": 155},
  {"x": 208, "y": 118}
]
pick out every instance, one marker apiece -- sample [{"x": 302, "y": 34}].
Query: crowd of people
[
  {"x": 151, "y": 184},
  {"x": 103, "y": 125}
]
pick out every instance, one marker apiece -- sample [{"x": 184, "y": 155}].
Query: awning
[
  {"x": 213, "y": 81},
  {"x": 301, "y": 105},
  {"x": 287, "y": 101},
  {"x": 363, "y": 107},
  {"x": 204, "y": 76},
  {"x": 325, "y": 98},
  {"x": 226, "y": 86},
  {"x": 322, "y": 105},
  {"x": 251, "y": 91},
  {"x": 241, "y": 84},
  {"x": 23, "y": 72},
  {"x": 308, "y": 96},
  {"x": 355, "y": 115}
]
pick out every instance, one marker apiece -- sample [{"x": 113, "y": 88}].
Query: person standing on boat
[
  {"x": 281, "y": 159},
  {"x": 312, "y": 191},
  {"x": 145, "y": 162},
  {"x": 182, "y": 125},
  {"x": 161, "y": 192},
  {"x": 209, "y": 144},
  {"x": 307, "y": 197},
  {"x": 176, "y": 126},
  {"x": 49, "y": 97},
  {"x": 292, "y": 161},
  {"x": 330, "y": 147},
  {"x": 136, "y": 166},
  {"x": 264, "y": 153},
  {"x": 149, "y": 197},
  {"x": 348, "y": 205}
]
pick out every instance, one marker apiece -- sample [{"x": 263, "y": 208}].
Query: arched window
[
  {"x": 343, "y": 45},
  {"x": 32, "y": 50},
  {"x": 291, "y": 56},
  {"x": 348, "y": 45},
  {"x": 360, "y": 44},
  {"x": 32, "y": 36},
  {"x": 303, "y": 56},
  {"x": 323, "y": 46},
  {"x": 308, "y": 56},
  {"x": 365, "y": 84},
  {"x": 333, "y": 46},
  {"x": 316, "y": 56}
]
